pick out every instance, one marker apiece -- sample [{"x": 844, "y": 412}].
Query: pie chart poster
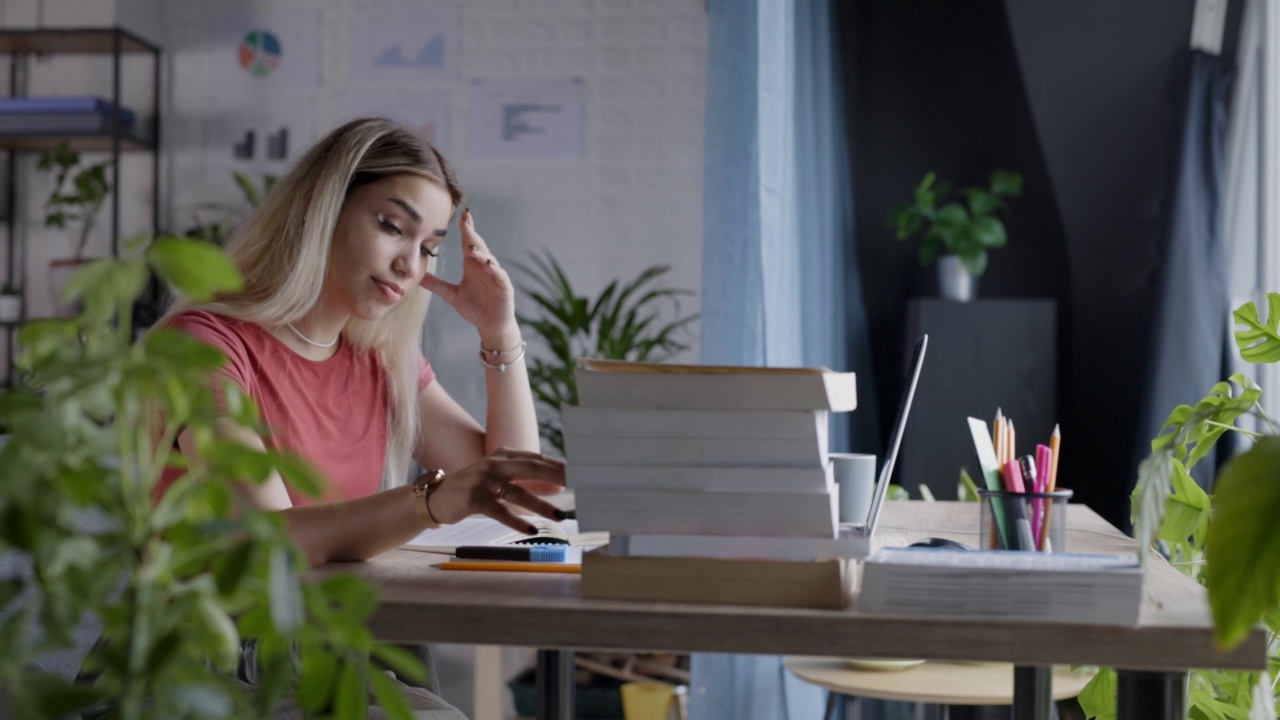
[{"x": 257, "y": 52}]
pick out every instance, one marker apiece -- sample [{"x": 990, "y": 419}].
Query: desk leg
[
  {"x": 1143, "y": 694},
  {"x": 555, "y": 685},
  {"x": 1032, "y": 693}
]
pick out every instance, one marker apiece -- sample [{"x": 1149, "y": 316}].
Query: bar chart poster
[
  {"x": 264, "y": 142},
  {"x": 403, "y": 43},
  {"x": 270, "y": 51},
  {"x": 526, "y": 118},
  {"x": 426, "y": 112}
]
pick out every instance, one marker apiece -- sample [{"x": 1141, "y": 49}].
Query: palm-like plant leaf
[
  {"x": 621, "y": 323},
  {"x": 1259, "y": 342}
]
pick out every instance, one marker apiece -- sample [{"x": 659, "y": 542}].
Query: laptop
[{"x": 867, "y": 527}]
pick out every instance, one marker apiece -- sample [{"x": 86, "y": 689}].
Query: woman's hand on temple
[
  {"x": 488, "y": 485},
  {"x": 485, "y": 296}
]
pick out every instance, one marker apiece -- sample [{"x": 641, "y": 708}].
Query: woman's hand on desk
[{"x": 488, "y": 485}]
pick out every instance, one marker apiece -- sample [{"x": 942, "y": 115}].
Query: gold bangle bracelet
[{"x": 423, "y": 486}]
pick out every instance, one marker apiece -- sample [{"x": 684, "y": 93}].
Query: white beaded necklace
[{"x": 309, "y": 341}]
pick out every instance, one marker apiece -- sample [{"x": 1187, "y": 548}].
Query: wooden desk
[{"x": 419, "y": 604}]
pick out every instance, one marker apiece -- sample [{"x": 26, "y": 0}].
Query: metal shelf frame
[{"x": 113, "y": 41}]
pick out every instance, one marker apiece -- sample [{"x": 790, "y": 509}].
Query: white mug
[{"x": 855, "y": 476}]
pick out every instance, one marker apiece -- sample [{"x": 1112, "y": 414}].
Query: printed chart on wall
[
  {"x": 428, "y": 113},
  {"x": 526, "y": 118},
  {"x": 259, "y": 52},
  {"x": 263, "y": 140},
  {"x": 403, "y": 43}
]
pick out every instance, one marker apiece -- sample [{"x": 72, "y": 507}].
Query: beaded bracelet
[{"x": 495, "y": 354}]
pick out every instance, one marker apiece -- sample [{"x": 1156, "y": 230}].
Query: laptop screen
[{"x": 895, "y": 440}]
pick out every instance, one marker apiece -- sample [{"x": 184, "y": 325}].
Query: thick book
[
  {"x": 482, "y": 530},
  {"x": 716, "y": 478},
  {"x": 1046, "y": 587},
  {"x": 702, "y": 513},
  {"x": 808, "y": 584},
  {"x": 695, "y": 451},
  {"x": 848, "y": 544},
  {"x": 611, "y": 383},
  {"x": 809, "y": 426},
  {"x": 62, "y": 106},
  {"x": 638, "y": 436}
]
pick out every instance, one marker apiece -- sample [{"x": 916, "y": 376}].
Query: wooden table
[{"x": 420, "y": 603}]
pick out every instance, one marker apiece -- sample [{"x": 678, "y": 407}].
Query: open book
[{"x": 482, "y": 530}]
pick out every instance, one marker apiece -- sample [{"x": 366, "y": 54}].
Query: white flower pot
[
  {"x": 10, "y": 308},
  {"x": 955, "y": 282}
]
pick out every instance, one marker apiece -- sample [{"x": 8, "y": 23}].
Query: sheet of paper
[
  {"x": 396, "y": 43},
  {"x": 478, "y": 530},
  {"x": 268, "y": 52},
  {"x": 526, "y": 118},
  {"x": 264, "y": 140},
  {"x": 428, "y": 113}
]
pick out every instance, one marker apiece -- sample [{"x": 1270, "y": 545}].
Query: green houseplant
[
  {"x": 960, "y": 231},
  {"x": 621, "y": 323},
  {"x": 218, "y": 228},
  {"x": 77, "y": 195},
  {"x": 1226, "y": 541},
  {"x": 79, "y": 191},
  {"x": 176, "y": 583}
]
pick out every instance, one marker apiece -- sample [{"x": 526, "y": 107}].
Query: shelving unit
[{"x": 116, "y": 42}]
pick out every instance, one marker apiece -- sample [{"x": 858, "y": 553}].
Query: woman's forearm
[
  {"x": 354, "y": 529},
  {"x": 510, "y": 418}
]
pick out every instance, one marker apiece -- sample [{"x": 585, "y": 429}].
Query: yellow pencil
[
  {"x": 997, "y": 436},
  {"x": 1012, "y": 449},
  {"x": 501, "y": 566},
  {"x": 1055, "y": 449},
  {"x": 1055, "y": 445}
]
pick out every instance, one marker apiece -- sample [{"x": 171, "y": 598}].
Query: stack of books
[
  {"x": 712, "y": 482},
  {"x": 1047, "y": 587}
]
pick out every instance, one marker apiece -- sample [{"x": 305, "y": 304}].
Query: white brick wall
[{"x": 633, "y": 200}]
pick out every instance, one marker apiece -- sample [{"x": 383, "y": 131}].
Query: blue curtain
[
  {"x": 779, "y": 282},
  {"x": 1190, "y": 333}
]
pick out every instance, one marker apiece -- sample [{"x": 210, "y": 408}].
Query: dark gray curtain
[{"x": 1189, "y": 324}]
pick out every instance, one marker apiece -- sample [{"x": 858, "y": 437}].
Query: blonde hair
[{"x": 282, "y": 249}]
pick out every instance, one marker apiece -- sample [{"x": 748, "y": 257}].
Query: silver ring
[{"x": 502, "y": 491}]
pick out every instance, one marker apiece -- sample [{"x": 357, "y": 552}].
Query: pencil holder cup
[{"x": 1023, "y": 521}]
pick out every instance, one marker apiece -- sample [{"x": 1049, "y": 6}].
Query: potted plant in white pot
[
  {"x": 10, "y": 304},
  {"x": 960, "y": 231},
  {"x": 75, "y": 200}
]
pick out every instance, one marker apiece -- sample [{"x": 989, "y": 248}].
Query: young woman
[{"x": 325, "y": 336}]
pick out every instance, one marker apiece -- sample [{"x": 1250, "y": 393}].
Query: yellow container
[{"x": 646, "y": 700}]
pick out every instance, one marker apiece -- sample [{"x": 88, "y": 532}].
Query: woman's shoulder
[{"x": 219, "y": 330}]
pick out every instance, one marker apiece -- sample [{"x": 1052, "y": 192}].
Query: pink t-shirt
[{"x": 333, "y": 412}]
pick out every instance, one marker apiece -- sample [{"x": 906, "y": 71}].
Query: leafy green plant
[
  {"x": 1172, "y": 514},
  {"x": 176, "y": 581},
  {"x": 622, "y": 323},
  {"x": 217, "y": 229},
  {"x": 77, "y": 195},
  {"x": 966, "y": 229}
]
